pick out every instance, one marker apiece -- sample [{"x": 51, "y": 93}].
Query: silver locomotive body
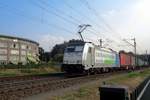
[{"x": 87, "y": 57}]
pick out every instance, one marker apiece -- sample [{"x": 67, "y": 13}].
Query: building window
[
  {"x": 3, "y": 44},
  {"x": 14, "y": 52},
  {"x": 14, "y": 58},
  {"x": 3, "y": 51},
  {"x": 14, "y": 45},
  {"x": 23, "y": 53},
  {"x": 2, "y": 62},
  {"x": 23, "y": 59},
  {"x": 3, "y": 58},
  {"x": 27, "y": 47},
  {"x": 23, "y": 47}
]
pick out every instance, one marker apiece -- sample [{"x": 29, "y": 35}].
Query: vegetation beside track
[
  {"x": 30, "y": 69},
  {"x": 91, "y": 92}
]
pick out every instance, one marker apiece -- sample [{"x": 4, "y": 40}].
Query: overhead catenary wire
[
  {"x": 57, "y": 11},
  {"x": 102, "y": 19},
  {"x": 60, "y": 11},
  {"x": 85, "y": 17},
  {"x": 33, "y": 18},
  {"x": 19, "y": 12},
  {"x": 38, "y": 20},
  {"x": 82, "y": 15},
  {"x": 42, "y": 6},
  {"x": 92, "y": 10},
  {"x": 71, "y": 19},
  {"x": 69, "y": 16}
]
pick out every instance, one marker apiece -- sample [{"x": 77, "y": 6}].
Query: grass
[
  {"x": 91, "y": 92},
  {"x": 9, "y": 72},
  {"x": 82, "y": 93},
  {"x": 6, "y": 72},
  {"x": 130, "y": 75}
]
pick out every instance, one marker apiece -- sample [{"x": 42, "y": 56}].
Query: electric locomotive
[{"x": 89, "y": 58}]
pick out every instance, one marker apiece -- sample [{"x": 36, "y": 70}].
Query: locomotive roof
[
  {"x": 76, "y": 43},
  {"x": 108, "y": 50},
  {"x": 129, "y": 53}
]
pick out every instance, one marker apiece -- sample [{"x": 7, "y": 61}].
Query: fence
[{"x": 134, "y": 95}]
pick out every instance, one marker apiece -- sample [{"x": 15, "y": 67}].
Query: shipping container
[
  {"x": 125, "y": 60},
  {"x": 140, "y": 62},
  {"x": 132, "y": 59}
]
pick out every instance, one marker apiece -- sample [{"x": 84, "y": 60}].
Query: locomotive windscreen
[{"x": 74, "y": 49}]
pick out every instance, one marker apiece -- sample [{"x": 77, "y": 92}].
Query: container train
[{"x": 89, "y": 58}]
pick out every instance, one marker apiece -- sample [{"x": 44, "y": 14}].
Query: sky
[{"x": 51, "y": 22}]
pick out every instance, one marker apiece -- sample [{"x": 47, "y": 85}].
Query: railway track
[
  {"x": 21, "y": 89},
  {"x": 12, "y": 88},
  {"x": 4, "y": 80}
]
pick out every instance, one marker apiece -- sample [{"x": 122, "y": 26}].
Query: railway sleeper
[
  {"x": 20, "y": 93},
  {"x": 9, "y": 95},
  {"x": 45, "y": 87},
  {"x": 27, "y": 92},
  {"x": 3, "y": 96},
  {"x": 35, "y": 91}
]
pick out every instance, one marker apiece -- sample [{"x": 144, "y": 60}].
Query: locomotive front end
[{"x": 72, "y": 61}]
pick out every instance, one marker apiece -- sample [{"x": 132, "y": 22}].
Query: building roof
[{"x": 19, "y": 38}]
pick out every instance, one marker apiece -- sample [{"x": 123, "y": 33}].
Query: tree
[{"x": 58, "y": 50}]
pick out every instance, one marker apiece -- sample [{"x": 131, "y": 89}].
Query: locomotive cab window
[
  {"x": 74, "y": 49},
  {"x": 70, "y": 49},
  {"x": 78, "y": 48}
]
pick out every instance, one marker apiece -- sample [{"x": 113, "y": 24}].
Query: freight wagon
[
  {"x": 127, "y": 60},
  {"x": 140, "y": 62}
]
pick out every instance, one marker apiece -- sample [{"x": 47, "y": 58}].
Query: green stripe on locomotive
[{"x": 109, "y": 61}]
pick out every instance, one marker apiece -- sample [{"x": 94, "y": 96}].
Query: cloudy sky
[{"x": 50, "y": 22}]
